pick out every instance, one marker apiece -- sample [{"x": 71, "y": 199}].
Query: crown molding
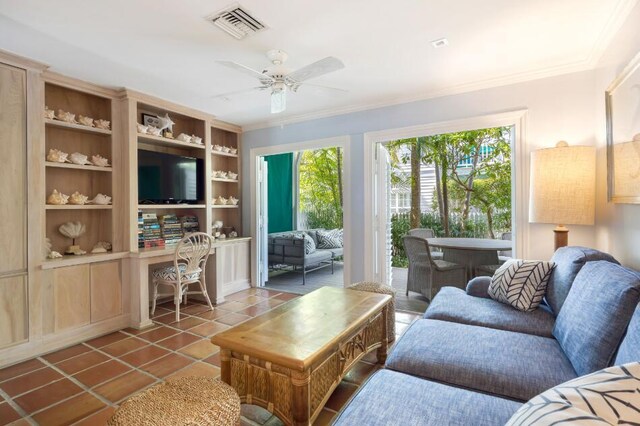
[{"x": 611, "y": 28}]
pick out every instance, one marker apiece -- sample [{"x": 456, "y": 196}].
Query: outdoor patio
[{"x": 292, "y": 282}]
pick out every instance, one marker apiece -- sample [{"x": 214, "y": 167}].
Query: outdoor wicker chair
[
  {"x": 427, "y": 275},
  {"x": 503, "y": 256},
  {"x": 426, "y": 233}
]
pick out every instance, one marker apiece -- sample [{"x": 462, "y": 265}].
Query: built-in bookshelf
[{"x": 225, "y": 154}]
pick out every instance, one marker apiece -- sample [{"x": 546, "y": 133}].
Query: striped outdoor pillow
[{"x": 330, "y": 239}]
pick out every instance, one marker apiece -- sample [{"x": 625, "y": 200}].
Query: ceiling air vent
[{"x": 237, "y": 22}]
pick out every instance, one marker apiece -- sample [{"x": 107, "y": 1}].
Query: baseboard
[{"x": 234, "y": 287}]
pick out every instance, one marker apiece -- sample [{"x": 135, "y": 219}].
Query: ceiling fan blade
[
  {"x": 227, "y": 95},
  {"x": 324, "y": 88},
  {"x": 265, "y": 79},
  {"x": 316, "y": 69}
]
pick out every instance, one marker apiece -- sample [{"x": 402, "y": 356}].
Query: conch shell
[
  {"x": 154, "y": 131},
  {"x": 49, "y": 113},
  {"x": 101, "y": 247},
  {"x": 233, "y": 200},
  {"x": 196, "y": 139},
  {"x": 101, "y": 199},
  {"x": 232, "y": 175},
  {"x": 57, "y": 156},
  {"x": 57, "y": 198},
  {"x": 66, "y": 116},
  {"x": 78, "y": 199},
  {"x": 99, "y": 161},
  {"x": 233, "y": 150},
  {"x": 142, "y": 128},
  {"x": 72, "y": 229},
  {"x": 85, "y": 121},
  {"x": 102, "y": 124},
  {"x": 217, "y": 148},
  {"x": 221, "y": 200},
  {"x": 183, "y": 137},
  {"x": 78, "y": 158}
]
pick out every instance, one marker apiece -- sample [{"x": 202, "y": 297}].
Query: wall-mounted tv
[{"x": 169, "y": 179}]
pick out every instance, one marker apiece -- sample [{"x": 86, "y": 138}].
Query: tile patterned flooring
[{"x": 83, "y": 384}]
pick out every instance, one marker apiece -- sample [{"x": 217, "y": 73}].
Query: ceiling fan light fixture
[{"x": 278, "y": 100}]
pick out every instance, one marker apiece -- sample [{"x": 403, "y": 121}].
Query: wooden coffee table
[{"x": 290, "y": 359}]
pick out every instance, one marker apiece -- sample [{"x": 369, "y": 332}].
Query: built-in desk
[{"x": 228, "y": 271}]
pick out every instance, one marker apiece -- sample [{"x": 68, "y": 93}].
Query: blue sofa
[{"x": 472, "y": 360}]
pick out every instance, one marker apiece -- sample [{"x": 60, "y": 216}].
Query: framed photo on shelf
[{"x": 150, "y": 120}]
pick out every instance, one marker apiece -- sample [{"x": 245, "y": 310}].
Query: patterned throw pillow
[
  {"x": 330, "y": 239},
  {"x": 606, "y": 397},
  {"x": 309, "y": 244},
  {"x": 521, "y": 283}
]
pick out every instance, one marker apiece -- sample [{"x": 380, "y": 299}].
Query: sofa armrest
[{"x": 479, "y": 287}]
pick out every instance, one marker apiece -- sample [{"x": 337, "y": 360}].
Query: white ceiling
[{"x": 166, "y": 48}]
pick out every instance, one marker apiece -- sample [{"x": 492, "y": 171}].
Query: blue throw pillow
[{"x": 595, "y": 314}]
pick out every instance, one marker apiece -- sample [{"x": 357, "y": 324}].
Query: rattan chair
[
  {"x": 503, "y": 256},
  {"x": 189, "y": 264},
  {"x": 426, "y": 233},
  {"x": 427, "y": 275}
]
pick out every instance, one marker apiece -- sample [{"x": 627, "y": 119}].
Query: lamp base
[{"x": 561, "y": 236}]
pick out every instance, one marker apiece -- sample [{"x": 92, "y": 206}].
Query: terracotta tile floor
[{"x": 85, "y": 383}]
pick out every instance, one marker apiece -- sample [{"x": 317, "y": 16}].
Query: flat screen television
[{"x": 169, "y": 179}]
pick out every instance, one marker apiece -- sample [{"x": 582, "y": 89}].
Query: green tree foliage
[{"x": 321, "y": 196}]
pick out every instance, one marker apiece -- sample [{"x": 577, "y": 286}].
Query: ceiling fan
[{"x": 279, "y": 78}]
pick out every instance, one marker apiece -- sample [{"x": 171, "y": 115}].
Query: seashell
[
  {"x": 54, "y": 255},
  {"x": 233, "y": 201},
  {"x": 233, "y": 234},
  {"x": 233, "y": 150},
  {"x": 72, "y": 229},
  {"x": 49, "y": 113},
  {"x": 142, "y": 128},
  {"x": 218, "y": 224},
  {"x": 103, "y": 124},
  {"x": 183, "y": 137},
  {"x": 214, "y": 173},
  {"x": 101, "y": 199},
  {"x": 217, "y": 148},
  {"x": 222, "y": 175},
  {"x": 222, "y": 236},
  {"x": 75, "y": 250},
  {"x": 57, "y": 156},
  {"x": 101, "y": 247},
  {"x": 233, "y": 176},
  {"x": 85, "y": 121},
  {"x": 196, "y": 139},
  {"x": 226, "y": 149},
  {"x": 154, "y": 131},
  {"x": 165, "y": 122},
  {"x": 99, "y": 161},
  {"x": 78, "y": 199},
  {"x": 221, "y": 200},
  {"x": 57, "y": 198},
  {"x": 66, "y": 116},
  {"x": 78, "y": 158}
]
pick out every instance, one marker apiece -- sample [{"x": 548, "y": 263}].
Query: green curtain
[{"x": 280, "y": 189}]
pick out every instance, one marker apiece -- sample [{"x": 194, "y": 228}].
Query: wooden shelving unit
[
  {"x": 162, "y": 141},
  {"x": 170, "y": 206},
  {"x": 86, "y": 179},
  {"x": 225, "y": 162}
]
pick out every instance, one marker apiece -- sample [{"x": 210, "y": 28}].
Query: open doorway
[
  {"x": 302, "y": 210},
  {"x": 455, "y": 190}
]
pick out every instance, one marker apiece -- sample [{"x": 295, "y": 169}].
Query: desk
[
  {"x": 470, "y": 252},
  {"x": 228, "y": 271}
]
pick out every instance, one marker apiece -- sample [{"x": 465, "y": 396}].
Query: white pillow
[
  {"x": 606, "y": 397},
  {"x": 521, "y": 283}
]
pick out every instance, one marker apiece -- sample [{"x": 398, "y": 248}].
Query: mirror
[{"x": 623, "y": 135}]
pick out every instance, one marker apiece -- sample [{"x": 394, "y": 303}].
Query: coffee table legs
[{"x": 381, "y": 352}]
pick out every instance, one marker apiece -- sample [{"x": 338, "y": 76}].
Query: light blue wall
[{"x": 558, "y": 108}]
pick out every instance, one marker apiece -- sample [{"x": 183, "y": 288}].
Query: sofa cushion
[
  {"x": 479, "y": 287},
  {"x": 454, "y": 305},
  {"x": 392, "y": 398},
  {"x": 503, "y": 363},
  {"x": 310, "y": 259},
  {"x": 630, "y": 347},
  {"x": 569, "y": 261},
  {"x": 608, "y": 397},
  {"x": 521, "y": 283},
  {"x": 330, "y": 239},
  {"x": 596, "y": 314}
]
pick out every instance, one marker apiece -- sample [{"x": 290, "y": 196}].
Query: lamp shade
[{"x": 562, "y": 186}]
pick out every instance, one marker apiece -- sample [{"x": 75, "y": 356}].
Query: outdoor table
[{"x": 470, "y": 252}]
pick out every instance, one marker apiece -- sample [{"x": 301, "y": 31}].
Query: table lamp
[{"x": 562, "y": 188}]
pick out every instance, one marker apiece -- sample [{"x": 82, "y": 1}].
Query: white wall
[
  {"x": 617, "y": 225},
  {"x": 560, "y": 107}
]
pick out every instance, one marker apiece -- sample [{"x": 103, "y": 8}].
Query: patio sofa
[
  {"x": 465, "y": 363},
  {"x": 288, "y": 248}
]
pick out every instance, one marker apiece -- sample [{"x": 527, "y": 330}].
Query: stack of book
[
  {"x": 171, "y": 228},
  {"x": 189, "y": 224},
  {"x": 140, "y": 230},
  {"x": 151, "y": 233}
]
